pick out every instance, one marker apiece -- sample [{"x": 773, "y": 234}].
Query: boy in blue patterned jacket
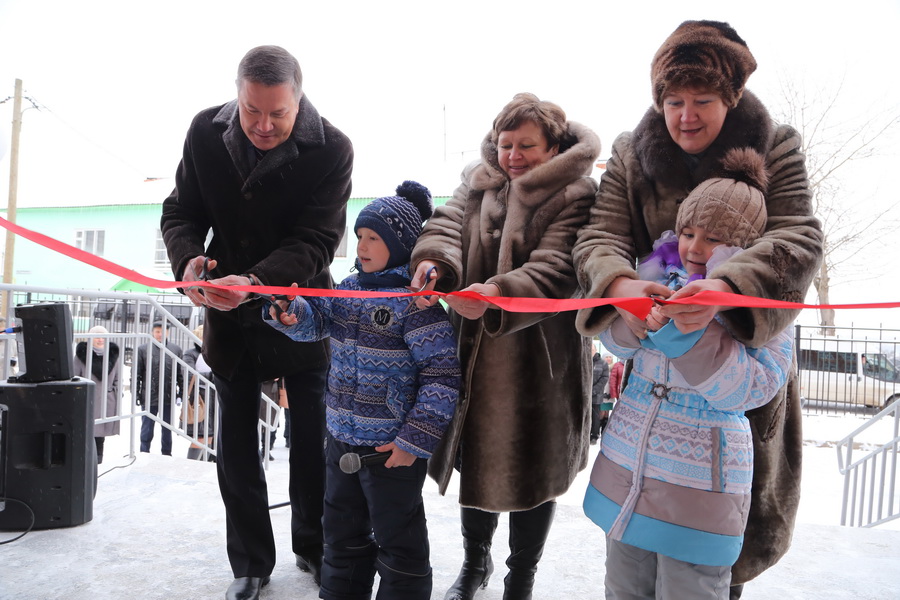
[
  {"x": 671, "y": 485},
  {"x": 392, "y": 388}
]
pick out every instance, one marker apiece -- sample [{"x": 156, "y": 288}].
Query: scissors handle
[
  {"x": 427, "y": 278},
  {"x": 204, "y": 272},
  {"x": 279, "y": 312}
]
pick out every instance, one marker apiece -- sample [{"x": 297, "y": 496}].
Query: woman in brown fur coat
[
  {"x": 519, "y": 435},
  {"x": 701, "y": 111}
]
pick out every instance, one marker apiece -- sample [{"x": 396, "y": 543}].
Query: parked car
[{"x": 847, "y": 371}]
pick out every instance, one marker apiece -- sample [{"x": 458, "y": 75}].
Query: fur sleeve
[
  {"x": 604, "y": 249},
  {"x": 782, "y": 263},
  {"x": 441, "y": 238}
]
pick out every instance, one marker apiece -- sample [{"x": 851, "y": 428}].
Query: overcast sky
[{"x": 414, "y": 84}]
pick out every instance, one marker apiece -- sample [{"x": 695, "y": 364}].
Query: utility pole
[{"x": 13, "y": 190}]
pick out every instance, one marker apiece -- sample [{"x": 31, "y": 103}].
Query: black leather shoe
[
  {"x": 311, "y": 563},
  {"x": 246, "y": 588}
]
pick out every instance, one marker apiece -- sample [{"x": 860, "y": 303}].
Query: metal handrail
[
  {"x": 870, "y": 482},
  {"x": 137, "y": 332}
]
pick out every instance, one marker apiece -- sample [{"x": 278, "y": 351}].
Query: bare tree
[{"x": 854, "y": 226}]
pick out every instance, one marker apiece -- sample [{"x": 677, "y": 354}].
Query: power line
[{"x": 40, "y": 106}]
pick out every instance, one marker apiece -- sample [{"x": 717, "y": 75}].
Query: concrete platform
[{"x": 158, "y": 532}]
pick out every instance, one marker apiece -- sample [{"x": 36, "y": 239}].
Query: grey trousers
[{"x": 635, "y": 574}]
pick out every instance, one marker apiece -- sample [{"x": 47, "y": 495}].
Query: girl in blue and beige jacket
[{"x": 674, "y": 472}]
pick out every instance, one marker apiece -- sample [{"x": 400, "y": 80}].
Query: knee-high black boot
[
  {"x": 478, "y": 528},
  {"x": 528, "y": 532}
]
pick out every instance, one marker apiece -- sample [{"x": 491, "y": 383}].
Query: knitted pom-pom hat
[
  {"x": 708, "y": 55},
  {"x": 398, "y": 219},
  {"x": 732, "y": 207}
]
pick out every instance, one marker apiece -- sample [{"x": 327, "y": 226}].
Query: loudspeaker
[
  {"x": 44, "y": 342},
  {"x": 3, "y": 434},
  {"x": 49, "y": 455}
]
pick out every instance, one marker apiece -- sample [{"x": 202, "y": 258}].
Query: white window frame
[
  {"x": 90, "y": 240},
  {"x": 160, "y": 254}
]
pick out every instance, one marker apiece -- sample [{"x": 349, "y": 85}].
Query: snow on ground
[{"x": 158, "y": 533}]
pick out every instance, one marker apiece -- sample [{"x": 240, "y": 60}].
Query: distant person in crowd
[
  {"x": 680, "y": 432},
  {"x": 598, "y": 392},
  {"x": 520, "y": 433},
  {"x": 392, "y": 388},
  {"x": 206, "y": 429},
  {"x": 616, "y": 374},
  {"x": 104, "y": 372},
  {"x": 155, "y": 387},
  {"x": 608, "y": 401},
  {"x": 701, "y": 111},
  {"x": 270, "y": 178}
]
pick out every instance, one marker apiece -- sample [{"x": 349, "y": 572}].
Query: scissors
[
  {"x": 280, "y": 312},
  {"x": 203, "y": 275},
  {"x": 412, "y": 301},
  {"x": 204, "y": 272}
]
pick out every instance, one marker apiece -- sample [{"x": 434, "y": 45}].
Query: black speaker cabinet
[
  {"x": 49, "y": 453},
  {"x": 45, "y": 342}
]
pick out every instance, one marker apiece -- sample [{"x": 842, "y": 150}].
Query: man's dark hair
[{"x": 271, "y": 65}]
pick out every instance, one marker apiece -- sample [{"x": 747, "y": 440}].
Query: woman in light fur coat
[
  {"x": 520, "y": 432},
  {"x": 701, "y": 111}
]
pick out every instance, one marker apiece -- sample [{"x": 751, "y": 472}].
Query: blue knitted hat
[{"x": 398, "y": 219}]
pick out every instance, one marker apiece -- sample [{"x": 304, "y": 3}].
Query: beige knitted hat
[
  {"x": 732, "y": 207},
  {"x": 704, "y": 54}
]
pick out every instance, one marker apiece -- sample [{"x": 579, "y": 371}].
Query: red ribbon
[{"x": 639, "y": 307}]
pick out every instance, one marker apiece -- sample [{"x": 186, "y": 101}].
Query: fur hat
[
  {"x": 733, "y": 207},
  {"x": 705, "y": 54},
  {"x": 398, "y": 219}
]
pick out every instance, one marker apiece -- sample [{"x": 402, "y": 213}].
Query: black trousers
[
  {"x": 595, "y": 421},
  {"x": 242, "y": 483},
  {"x": 374, "y": 521}
]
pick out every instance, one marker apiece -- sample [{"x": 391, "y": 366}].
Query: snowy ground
[{"x": 158, "y": 533}]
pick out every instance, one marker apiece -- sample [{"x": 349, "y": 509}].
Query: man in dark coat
[
  {"x": 271, "y": 179},
  {"x": 148, "y": 382},
  {"x": 598, "y": 393}
]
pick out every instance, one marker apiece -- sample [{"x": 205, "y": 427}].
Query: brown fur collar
[{"x": 746, "y": 125}]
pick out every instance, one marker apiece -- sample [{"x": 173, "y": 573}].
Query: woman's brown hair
[{"x": 528, "y": 107}]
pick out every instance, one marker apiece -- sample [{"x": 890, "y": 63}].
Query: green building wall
[{"x": 130, "y": 234}]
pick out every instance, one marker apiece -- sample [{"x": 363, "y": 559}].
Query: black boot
[
  {"x": 528, "y": 532},
  {"x": 99, "y": 442},
  {"x": 478, "y": 528}
]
